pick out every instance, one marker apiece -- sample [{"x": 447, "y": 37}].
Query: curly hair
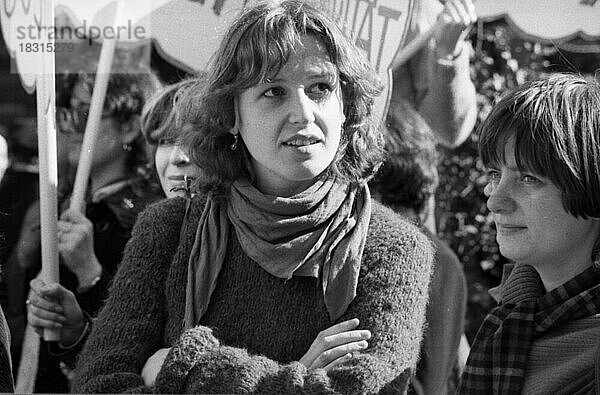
[
  {"x": 159, "y": 119},
  {"x": 409, "y": 176},
  {"x": 127, "y": 92},
  {"x": 555, "y": 123},
  {"x": 254, "y": 49}
]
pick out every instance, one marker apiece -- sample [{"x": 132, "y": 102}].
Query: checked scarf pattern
[{"x": 498, "y": 357}]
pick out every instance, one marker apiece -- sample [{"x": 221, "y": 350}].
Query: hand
[
  {"x": 76, "y": 246},
  {"x": 455, "y": 22},
  {"x": 335, "y": 345},
  {"x": 153, "y": 365},
  {"x": 53, "y": 306}
]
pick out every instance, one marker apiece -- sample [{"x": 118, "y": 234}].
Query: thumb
[{"x": 55, "y": 291}]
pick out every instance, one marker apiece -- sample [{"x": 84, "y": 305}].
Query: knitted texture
[
  {"x": 260, "y": 324},
  {"x": 570, "y": 370},
  {"x": 183, "y": 357},
  {"x": 499, "y": 355}
]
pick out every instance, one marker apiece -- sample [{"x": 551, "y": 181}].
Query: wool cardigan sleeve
[
  {"x": 130, "y": 327},
  {"x": 391, "y": 300}
]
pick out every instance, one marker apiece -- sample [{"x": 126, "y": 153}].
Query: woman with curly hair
[{"x": 281, "y": 275}]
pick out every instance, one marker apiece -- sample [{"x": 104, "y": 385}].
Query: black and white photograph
[{"x": 300, "y": 197}]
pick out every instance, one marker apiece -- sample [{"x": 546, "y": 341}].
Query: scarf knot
[{"x": 320, "y": 232}]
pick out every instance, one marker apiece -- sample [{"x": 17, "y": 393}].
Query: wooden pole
[
  {"x": 48, "y": 171},
  {"x": 92, "y": 126}
]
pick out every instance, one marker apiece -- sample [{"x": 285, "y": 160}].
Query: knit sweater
[
  {"x": 261, "y": 325},
  {"x": 563, "y": 360}
]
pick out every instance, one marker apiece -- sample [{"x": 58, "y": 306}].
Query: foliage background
[{"x": 502, "y": 61}]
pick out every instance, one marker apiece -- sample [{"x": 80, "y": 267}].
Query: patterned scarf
[
  {"x": 319, "y": 232},
  {"x": 498, "y": 357}
]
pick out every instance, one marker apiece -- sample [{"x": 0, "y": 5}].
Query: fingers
[
  {"x": 39, "y": 317},
  {"x": 73, "y": 216},
  {"x": 470, "y": 8},
  {"x": 42, "y": 313},
  {"x": 333, "y": 343},
  {"x": 44, "y": 294},
  {"x": 348, "y": 337},
  {"x": 454, "y": 24},
  {"x": 340, "y": 352},
  {"x": 36, "y": 303},
  {"x": 341, "y": 327},
  {"x": 452, "y": 10},
  {"x": 72, "y": 222},
  {"x": 461, "y": 12},
  {"x": 40, "y": 324},
  {"x": 342, "y": 333},
  {"x": 74, "y": 237},
  {"x": 64, "y": 226},
  {"x": 70, "y": 229},
  {"x": 339, "y": 361}
]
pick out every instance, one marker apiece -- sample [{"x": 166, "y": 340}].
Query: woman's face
[
  {"x": 292, "y": 124},
  {"x": 174, "y": 167},
  {"x": 110, "y": 139},
  {"x": 531, "y": 223}
]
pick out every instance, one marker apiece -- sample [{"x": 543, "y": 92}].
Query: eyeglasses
[{"x": 72, "y": 120}]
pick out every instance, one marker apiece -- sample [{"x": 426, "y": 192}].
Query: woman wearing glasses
[{"x": 91, "y": 243}]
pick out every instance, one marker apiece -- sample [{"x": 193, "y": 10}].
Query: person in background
[
  {"x": 6, "y": 375},
  {"x": 163, "y": 132},
  {"x": 18, "y": 190},
  {"x": 406, "y": 182},
  {"x": 437, "y": 80},
  {"x": 284, "y": 276},
  {"x": 541, "y": 144},
  {"x": 90, "y": 244}
]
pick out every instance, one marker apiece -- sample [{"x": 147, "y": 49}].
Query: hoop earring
[
  {"x": 234, "y": 145},
  {"x": 127, "y": 147}
]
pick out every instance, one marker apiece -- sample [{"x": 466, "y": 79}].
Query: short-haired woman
[{"x": 541, "y": 144}]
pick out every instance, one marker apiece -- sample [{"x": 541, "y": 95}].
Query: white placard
[{"x": 546, "y": 20}]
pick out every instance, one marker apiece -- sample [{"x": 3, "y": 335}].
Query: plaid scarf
[{"x": 498, "y": 357}]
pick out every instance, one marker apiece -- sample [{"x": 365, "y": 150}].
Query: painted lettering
[
  {"x": 8, "y": 11},
  {"x": 387, "y": 13},
  {"x": 361, "y": 41}
]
